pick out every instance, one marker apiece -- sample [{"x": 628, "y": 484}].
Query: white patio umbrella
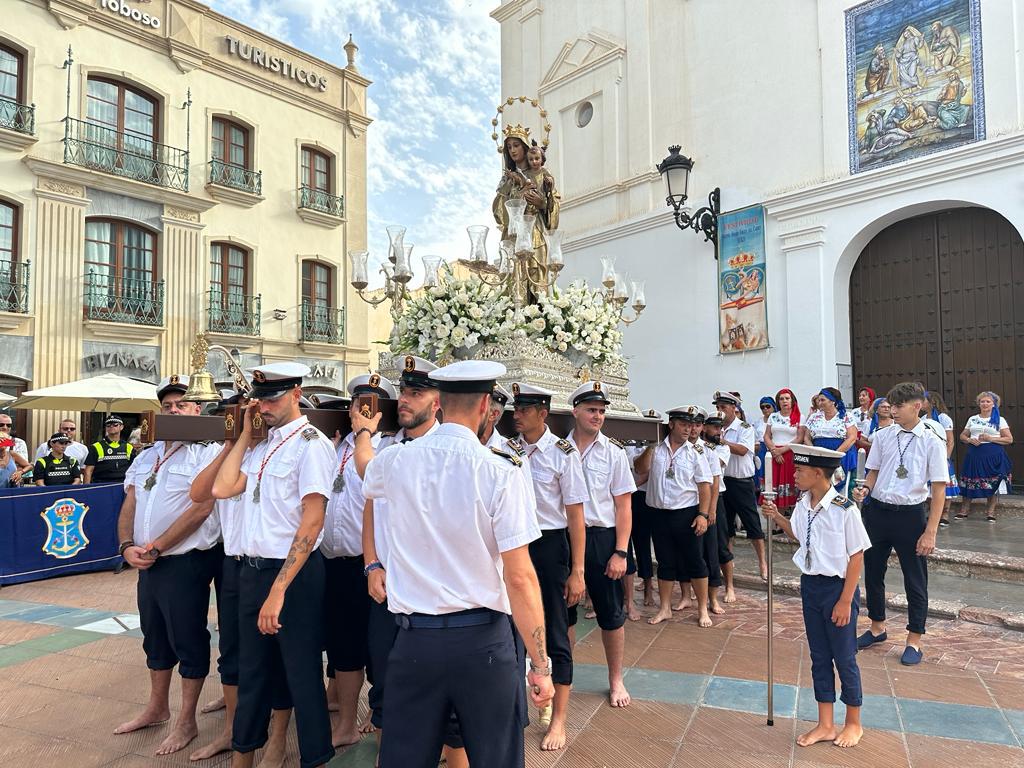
[
  {"x": 4, "y": 399},
  {"x": 105, "y": 393}
]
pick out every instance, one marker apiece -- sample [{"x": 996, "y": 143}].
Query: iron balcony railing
[
  {"x": 14, "y": 286},
  {"x": 124, "y": 300},
  {"x": 323, "y": 323},
  {"x": 233, "y": 313},
  {"x": 124, "y": 154},
  {"x": 18, "y": 117},
  {"x": 235, "y": 176},
  {"x": 318, "y": 200}
]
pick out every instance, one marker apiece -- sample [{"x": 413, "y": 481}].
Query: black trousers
[
  {"x": 725, "y": 555},
  {"x": 296, "y": 649},
  {"x": 709, "y": 552},
  {"x": 471, "y": 671},
  {"x": 641, "y": 535},
  {"x": 551, "y": 559},
  {"x": 381, "y": 634},
  {"x": 607, "y": 595},
  {"x": 892, "y": 526},
  {"x": 833, "y": 649},
  {"x": 741, "y": 501},
  {"x": 346, "y": 613},
  {"x": 679, "y": 549},
  {"x": 174, "y": 606}
]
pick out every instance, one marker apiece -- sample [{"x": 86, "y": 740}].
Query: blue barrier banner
[{"x": 56, "y": 531}]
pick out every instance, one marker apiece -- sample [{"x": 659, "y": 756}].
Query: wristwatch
[
  {"x": 543, "y": 671},
  {"x": 124, "y": 545},
  {"x": 154, "y": 553},
  {"x": 704, "y": 515},
  {"x": 621, "y": 553}
]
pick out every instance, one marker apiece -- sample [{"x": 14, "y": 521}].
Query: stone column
[
  {"x": 186, "y": 280},
  {"x": 810, "y": 322},
  {"x": 58, "y": 285}
]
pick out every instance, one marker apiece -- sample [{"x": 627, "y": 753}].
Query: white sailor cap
[
  {"x": 468, "y": 376},
  {"x": 173, "y": 383},
  {"x": 815, "y": 456},
  {"x": 330, "y": 402},
  {"x": 729, "y": 398},
  {"x": 501, "y": 395},
  {"x": 415, "y": 372},
  {"x": 372, "y": 383},
  {"x": 589, "y": 391},
  {"x": 652, "y": 414},
  {"x": 528, "y": 394},
  {"x": 271, "y": 381},
  {"x": 702, "y": 415},
  {"x": 716, "y": 419},
  {"x": 690, "y": 413}
]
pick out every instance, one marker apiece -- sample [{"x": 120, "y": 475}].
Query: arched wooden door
[{"x": 940, "y": 299}]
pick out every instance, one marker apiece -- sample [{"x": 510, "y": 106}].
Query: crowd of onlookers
[
  {"x": 62, "y": 459},
  {"x": 985, "y": 472}
]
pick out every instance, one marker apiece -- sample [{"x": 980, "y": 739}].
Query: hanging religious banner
[{"x": 742, "y": 315}]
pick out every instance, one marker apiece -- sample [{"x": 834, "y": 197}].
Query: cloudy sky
[{"x": 435, "y": 70}]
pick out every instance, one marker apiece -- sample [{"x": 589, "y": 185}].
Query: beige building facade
[{"x": 165, "y": 170}]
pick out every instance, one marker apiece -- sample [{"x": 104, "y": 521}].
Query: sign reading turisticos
[{"x": 260, "y": 58}]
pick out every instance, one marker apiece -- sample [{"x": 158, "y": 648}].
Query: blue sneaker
[
  {"x": 867, "y": 639},
  {"x": 911, "y": 656}
]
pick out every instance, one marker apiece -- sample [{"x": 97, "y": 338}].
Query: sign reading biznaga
[{"x": 261, "y": 58}]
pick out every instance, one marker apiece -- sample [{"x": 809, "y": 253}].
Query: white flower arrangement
[
  {"x": 454, "y": 318},
  {"x": 577, "y": 320}
]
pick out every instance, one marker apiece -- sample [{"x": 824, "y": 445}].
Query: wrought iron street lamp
[{"x": 675, "y": 169}]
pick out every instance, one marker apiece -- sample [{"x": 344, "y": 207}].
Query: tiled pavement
[{"x": 71, "y": 668}]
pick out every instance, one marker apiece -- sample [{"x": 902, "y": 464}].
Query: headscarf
[
  {"x": 794, "y": 411},
  {"x": 840, "y": 405},
  {"x": 994, "y": 418},
  {"x": 874, "y": 415},
  {"x": 870, "y": 392},
  {"x": 768, "y": 400}
]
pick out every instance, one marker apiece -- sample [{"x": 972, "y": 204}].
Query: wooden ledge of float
[{"x": 228, "y": 426}]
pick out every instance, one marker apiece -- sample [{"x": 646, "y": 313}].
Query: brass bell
[{"x": 201, "y": 388}]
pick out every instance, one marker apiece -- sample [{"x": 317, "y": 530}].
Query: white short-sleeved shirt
[
  {"x": 721, "y": 453},
  {"x": 759, "y": 424},
  {"x": 818, "y": 426},
  {"x": 633, "y": 452},
  {"x": 558, "y": 480},
  {"x": 76, "y": 450},
  {"x": 513, "y": 447},
  {"x": 167, "y": 500},
  {"x": 783, "y": 433},
  {"x": 20, "y": 448},
  {"x": 229, "y": 513},
  {"x": 343, "y": 524},
  {"x": 945, "y": 421},
  {"x": 607, "y": 475},
  {"x": 836, "y": 533},
  {"x": 453, "y": 506},
  {"x": 715, "y": 466},
  {"x": 741, "y": 433},
  {"x": 300, "y": 467},
  {"x": 977, "y": 425},
  {"x": 689, "y": 467},
  {"x": 923, "y": 456},
  {"x": 861, "y": 419},
  {"x": 380, "y": 533}
]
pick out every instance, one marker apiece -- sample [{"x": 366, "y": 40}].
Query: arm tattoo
[
  {"x": 538, "y": 643},
  {"x": 299, "y": 545}
]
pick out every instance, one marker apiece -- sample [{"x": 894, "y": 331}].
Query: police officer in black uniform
[
  {"x": 110, "y": 457},
  {"x": 56, "y": 468}
]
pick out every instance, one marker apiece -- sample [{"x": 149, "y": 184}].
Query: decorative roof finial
[{"x": 350, "y": 52}]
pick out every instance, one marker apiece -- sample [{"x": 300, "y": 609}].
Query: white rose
[{"x": 563, "y": 347}]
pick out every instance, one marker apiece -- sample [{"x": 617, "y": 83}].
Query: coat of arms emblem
[{"x": 65, "y": 535}]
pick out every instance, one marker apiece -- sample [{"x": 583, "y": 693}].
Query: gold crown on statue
[{"x": 517, "y": 131}]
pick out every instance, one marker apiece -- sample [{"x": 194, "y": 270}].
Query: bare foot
[
  {"x": 633, "y": 614},
  {"x": 648, "y": 598},
  {"x": 764, "y": 571},
  {"x": 145, "y": 720},
  {"x": 618, "y": 696},
  {"x": 554, "y": 739},
  {"x": 850, "y": 736},
  {"x": 716, "y": 608},
  {"x": 344, "y": 738},
  {"x": 221, "y": 744},
  {"x": 179, "y": 738},
  {"x": 213, "y": 706},
  {"x": 660, "y": 616},
  {"x": 684, "y": 604},
  {"x": 273, "y": 757},
  {"x": 703, "y": 619},
  {"x": 367, "y": 726},
  {"x": 730, "y": 596},
  {"x": 816, "y": 734}
]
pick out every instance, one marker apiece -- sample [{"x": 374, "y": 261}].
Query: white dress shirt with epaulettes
[
  {"x": 741, "y": 433},
  {"x": 299, "y": 468},
  {"x": 677, "y": 489},
  {"x": 836, "y": 534},
  {"x": 159, "y": 506},
  {"x": 453, "y": 507},
  {"x": 558, "y": 479},
  {"x": 607, "y": 475},
  {"x": 923, "y": 456},
  {"x": 343, "y": 524}
]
